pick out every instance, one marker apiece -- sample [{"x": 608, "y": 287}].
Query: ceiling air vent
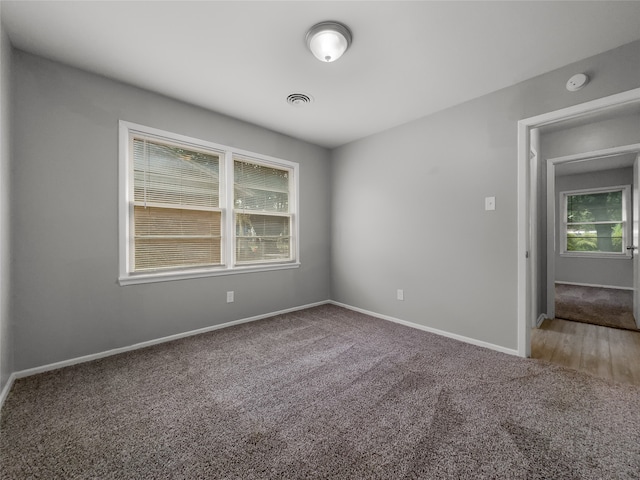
[{"x": 299, "y": 99}]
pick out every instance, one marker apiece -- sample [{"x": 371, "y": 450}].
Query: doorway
[
  {"x": 530, "y": 265},
  {"x": 591, "y": 263}
]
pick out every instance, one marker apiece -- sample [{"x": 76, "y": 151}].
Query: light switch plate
[{"x": 490, "y": 203}]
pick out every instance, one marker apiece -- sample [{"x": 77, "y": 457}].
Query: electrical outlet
[
  {"x": 230, "y": 297},
  {"x": 400, "y": 294}
]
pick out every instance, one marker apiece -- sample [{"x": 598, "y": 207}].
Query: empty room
[{"x": 316, "y": 239}]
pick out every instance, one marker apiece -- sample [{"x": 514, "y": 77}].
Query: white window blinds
[
  {"x": 262, "y": 214},
  {"x": 177, "y": 219},
  {"x": 191, "y": 208}
]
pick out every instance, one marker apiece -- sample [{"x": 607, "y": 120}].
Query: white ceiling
[{"x": 408, "y": 59}]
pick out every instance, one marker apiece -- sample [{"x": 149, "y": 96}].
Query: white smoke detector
[{"x": 576, "y": 82}]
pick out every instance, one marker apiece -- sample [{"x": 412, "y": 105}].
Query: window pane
[
  {"x": 260, "y": 188},
  {"x": 174, "y": 175},
  {"x": 595, "y": 238},
  {"x": 174, "y": 237},
  {"x": 261, "y": 200},
  {"x": 595, "y": 207},
  {"x": 171, "y": 237},
  {"x": 262, "y": 238}
]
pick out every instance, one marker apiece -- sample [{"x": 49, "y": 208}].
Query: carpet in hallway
[{"x": 609, "y": 307}]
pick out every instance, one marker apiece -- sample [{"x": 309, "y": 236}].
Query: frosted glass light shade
[{"x": 328, "y": 41}]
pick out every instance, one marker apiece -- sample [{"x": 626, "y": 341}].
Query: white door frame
[
  {"x": 527, "y": 196},
  {"x": 635, "y": 239}
]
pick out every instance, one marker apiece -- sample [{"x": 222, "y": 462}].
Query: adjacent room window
[
  {"x": 190, "y": 208},
  {"x": 595, "y": 222}
]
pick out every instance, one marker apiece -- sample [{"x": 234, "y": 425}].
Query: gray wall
[
  {"x": 594, "y": 271},
  {"x": 405, "y": 211},
  {"x": 65, "y": 250},
  {"x": 408, "y": 205},
  {"x": 624, "y": 129},
  {"x": 6, "y": 343}
]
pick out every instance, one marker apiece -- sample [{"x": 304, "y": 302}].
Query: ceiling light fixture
[{"x": 328, "y": 40}]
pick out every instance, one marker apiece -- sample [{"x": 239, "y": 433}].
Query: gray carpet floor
[
  {"x": 608, "y": 307},
  {"x": 319, "y": 393}
]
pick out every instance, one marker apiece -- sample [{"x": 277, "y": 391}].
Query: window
[
  {"x": 190, "y": 208},
  {"x": 263, "y": 219},
  {"x": 595, "y": 222}
]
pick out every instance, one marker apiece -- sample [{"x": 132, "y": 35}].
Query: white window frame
[
  {"x": 127, "y": 276},
  {"x": 626, "y": 222}
]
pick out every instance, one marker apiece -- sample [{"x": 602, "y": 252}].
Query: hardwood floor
[{"x": 610, "y": 353}]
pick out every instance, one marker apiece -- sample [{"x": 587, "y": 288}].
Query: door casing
[{"x": 528, "y": 269}]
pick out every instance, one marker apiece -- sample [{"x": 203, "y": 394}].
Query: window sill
[
  {"x": 600, "y": 255},
  {"x": 136, "y": 279}
]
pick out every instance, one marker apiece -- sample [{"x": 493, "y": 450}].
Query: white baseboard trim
[
  {"x": 107, "y": 353},
  {"x": 7, "y": 388},
  {"x": 541, "y": 318},
  {"x": 592, "y": 285},
  {"x": 443, "y": 333}
]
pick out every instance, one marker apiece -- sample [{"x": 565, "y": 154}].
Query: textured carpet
[
  {"x": 320, "y": 393},
  {"x": 609, "y": 307}
]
